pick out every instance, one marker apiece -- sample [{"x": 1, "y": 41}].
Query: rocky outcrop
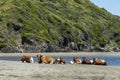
[{"x": 57, "y": 26}]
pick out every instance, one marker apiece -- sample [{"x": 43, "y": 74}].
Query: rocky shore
[{"x": 47, "y": 47}]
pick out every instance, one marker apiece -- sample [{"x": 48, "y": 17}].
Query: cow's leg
[{"x": 52, "y": 62}]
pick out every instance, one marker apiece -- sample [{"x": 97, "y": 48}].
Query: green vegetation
[{"x": 58, "y": 21}]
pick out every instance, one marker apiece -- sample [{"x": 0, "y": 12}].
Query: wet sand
[{"x": 16, "y": 70}]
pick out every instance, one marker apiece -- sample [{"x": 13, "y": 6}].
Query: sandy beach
[
  {"x": 65, "y": 54},
  {"x": 16, "y": 70}
]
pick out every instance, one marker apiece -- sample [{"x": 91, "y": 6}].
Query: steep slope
[{"x": 67, "y": 24}]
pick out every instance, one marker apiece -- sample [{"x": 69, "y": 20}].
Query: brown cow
[
  {"x": 86, "y": 61},
  {"x": 45, "y": 59},
  {"x": 60, "y": 60},
  {"x": 98, "y": 61},
  {"x": 76, "y": 60},
  {"x": 27, "y": 59},
  {"x": 57, "y": 61}
]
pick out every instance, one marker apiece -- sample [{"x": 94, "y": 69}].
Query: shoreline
[{"x": 65, "y": 54}]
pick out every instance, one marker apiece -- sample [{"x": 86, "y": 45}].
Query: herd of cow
[{"x": 50, "y": 60}]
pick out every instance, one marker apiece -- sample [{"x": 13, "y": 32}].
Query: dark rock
[{"x": 8, "y": 50}]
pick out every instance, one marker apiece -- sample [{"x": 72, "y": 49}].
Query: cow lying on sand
[
  {"x": 27, "y": 59},
  {"x": 97, "y": 61},
  {"x": 86, "y": 61},
  {"x": 45, "y": 59},
  {"x": 60, "y": 60},
  {"x": 76, "y": 60}
]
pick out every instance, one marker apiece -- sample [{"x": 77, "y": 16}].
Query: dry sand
[{"x": 13, "y": 70}]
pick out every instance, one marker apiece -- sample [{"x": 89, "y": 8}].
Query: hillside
[{"x": 57, "y": 25}]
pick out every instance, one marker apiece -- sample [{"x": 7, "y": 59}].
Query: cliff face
[{"x": 57, "y": 25}]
